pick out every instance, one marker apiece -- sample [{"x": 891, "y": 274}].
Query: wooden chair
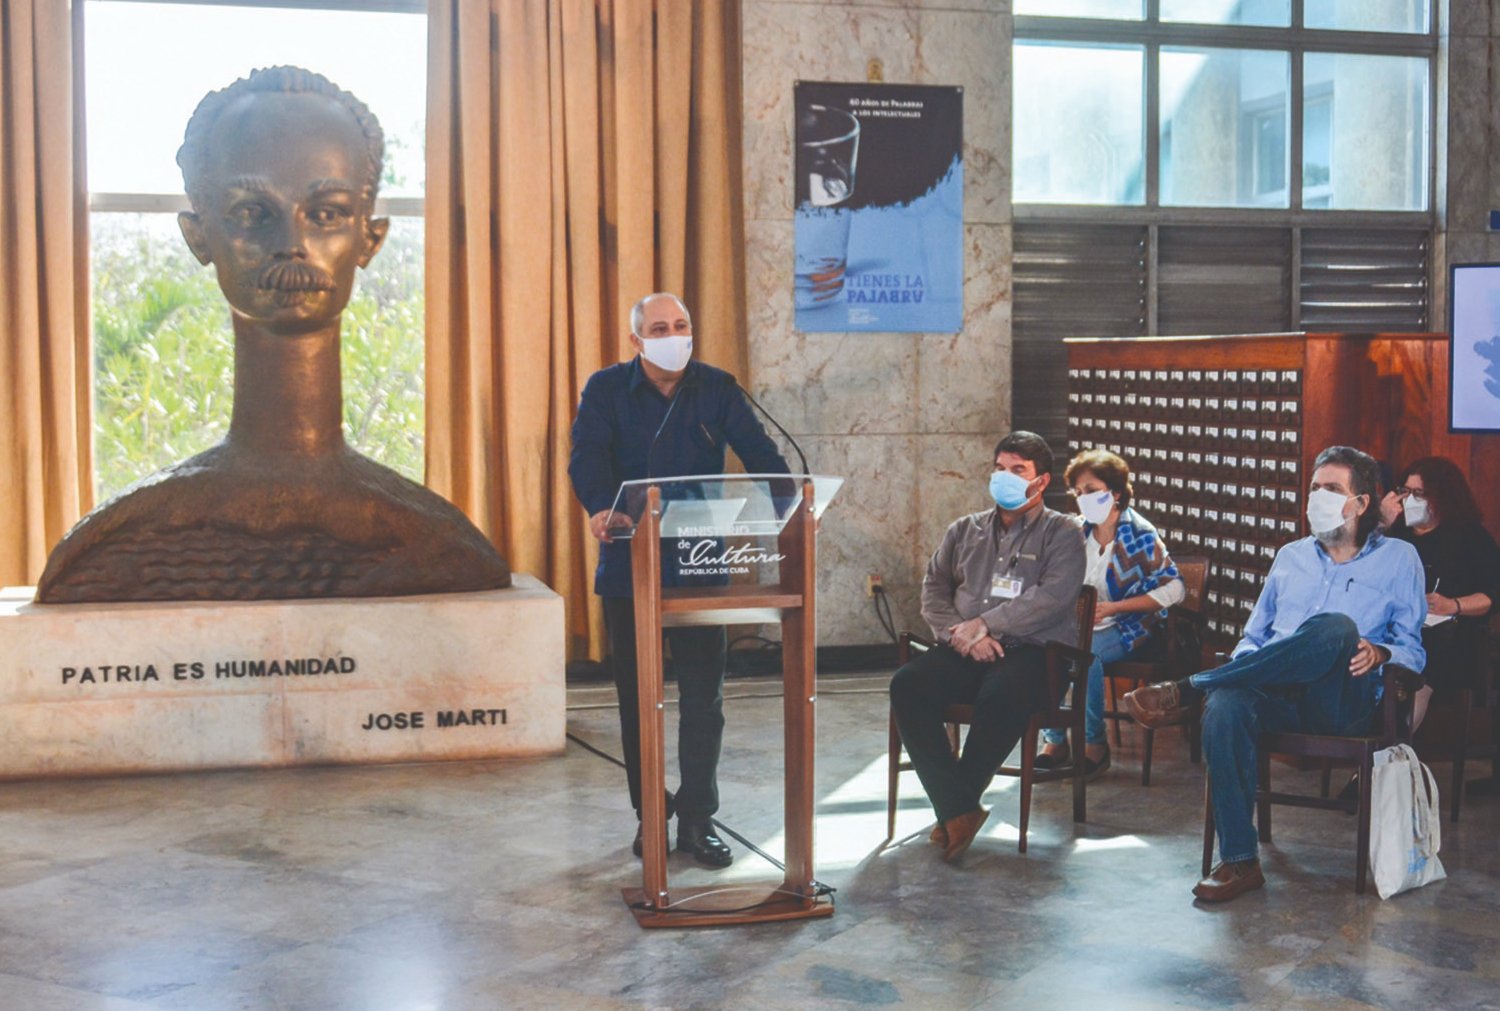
[
  {"x": 1456, "y": 746},
  {"x": 1390, "y": 725},
  {"x": 1175, "y": 652},
  {"x": 1067, "y": 667}
]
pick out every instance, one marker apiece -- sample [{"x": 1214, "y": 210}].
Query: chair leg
[
  {"x": 1362, "y": 844},
  {"x": 1114, "y": 707},
  {"x": 1461, "y": 753},
  {"x": 1208, "y": 826},
  {"x": 1080, "y": 803},
  {"x": 1028, "y": 772},
  {"x": 1326, "y": 782},
  {"x": 1263, "y": 802},
  {"x": 1146, "y": 756},
  {"x": 893, "y": 777}
]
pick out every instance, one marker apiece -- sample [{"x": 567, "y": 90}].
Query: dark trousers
[
  {"x": 1005, "y": 695},
  {"x": 697, "y": 662},
  {"x": 1300, "y": 684}
]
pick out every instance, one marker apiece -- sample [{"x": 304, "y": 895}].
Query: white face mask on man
[
  {"x": 1325, "y": 511},
  {"x": 670, "y": 353}
]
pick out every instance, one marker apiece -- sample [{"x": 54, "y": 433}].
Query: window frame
[
  {"x": 1153, "y": 33},
  {"x": 1297, "y": 41},
  {"x": 161, "y": 205},
  {"x": 106, "y": 201}
]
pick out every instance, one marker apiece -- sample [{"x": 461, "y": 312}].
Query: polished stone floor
[{"x": 489, "y": 885}]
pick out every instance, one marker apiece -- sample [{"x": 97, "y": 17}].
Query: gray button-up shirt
[{"x": 1044, "y": 550}]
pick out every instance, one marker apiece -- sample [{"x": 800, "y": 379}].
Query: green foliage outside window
[{"x": 164, "y": 352}]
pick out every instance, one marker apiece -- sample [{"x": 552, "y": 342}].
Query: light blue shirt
[{"x": 1382, "y": 588}]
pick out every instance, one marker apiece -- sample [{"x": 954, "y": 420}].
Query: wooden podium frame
[{"x": 792, "y": 602}]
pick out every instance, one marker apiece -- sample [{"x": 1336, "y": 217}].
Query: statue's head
[{"x": 281, "y": 168}]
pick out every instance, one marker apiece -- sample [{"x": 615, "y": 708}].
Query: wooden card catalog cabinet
[{"x": 1221, "y": 432}]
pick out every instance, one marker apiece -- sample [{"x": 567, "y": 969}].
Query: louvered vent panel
[
  {"x": 1365, "y": 279},
  {"x": 1223, "y": 279},
  {"x": 1069, "y": 281}
]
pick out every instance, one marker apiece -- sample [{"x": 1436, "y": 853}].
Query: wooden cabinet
[{"x": 1221, "y": 432}]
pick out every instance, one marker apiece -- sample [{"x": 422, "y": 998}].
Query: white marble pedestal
[{"x": 113, "y": 688}]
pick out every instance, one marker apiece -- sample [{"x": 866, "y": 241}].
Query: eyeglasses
[
  {"x": 1081, "y": 492},
  {"x": 1417, "y": 493}
]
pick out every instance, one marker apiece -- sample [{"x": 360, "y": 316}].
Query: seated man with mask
[
  {"x": 1335, "y": 607},
  {"x": 1003, "y": 582}
]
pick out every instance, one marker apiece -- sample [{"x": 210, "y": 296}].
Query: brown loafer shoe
[
  {"x": 1157, "y": 705},
  {"x": 1230, "y": 881},
  {"x": 961, "y": 832}
]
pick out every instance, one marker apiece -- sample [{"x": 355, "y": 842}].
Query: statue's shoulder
[{"x": 226, "y": 525}]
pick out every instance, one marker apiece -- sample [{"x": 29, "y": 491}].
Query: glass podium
[{"x": 722, "y": 549}]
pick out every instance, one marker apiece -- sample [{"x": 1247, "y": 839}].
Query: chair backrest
[
  {"x": 1193, "y": 569},
  {"x": 1084, "y": 609}
]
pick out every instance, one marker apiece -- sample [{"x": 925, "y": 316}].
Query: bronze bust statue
[{"x": 281, "y": 169}]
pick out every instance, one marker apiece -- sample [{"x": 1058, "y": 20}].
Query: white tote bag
[{"x": 1405, "y": 825}]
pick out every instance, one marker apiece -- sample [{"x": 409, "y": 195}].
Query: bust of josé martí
[{"x": 281, "y": 170}]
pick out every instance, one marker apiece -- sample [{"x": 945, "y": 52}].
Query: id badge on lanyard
[{"x": 1004, "y": 586}]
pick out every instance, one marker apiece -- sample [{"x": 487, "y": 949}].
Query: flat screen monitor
[{"x": 1474, "y": 349}]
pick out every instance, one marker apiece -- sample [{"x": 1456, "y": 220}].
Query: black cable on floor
[
  {"x": 820, "y": 889},
  {"x": 883, "y": 612}
]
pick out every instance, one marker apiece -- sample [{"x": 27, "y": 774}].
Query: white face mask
[
  {"x": 1096, "y": 506},
  {"x": 1415, "y": 510},
  {"x": 1325, "y": 511},
  {"x": 670, "y": 353}
]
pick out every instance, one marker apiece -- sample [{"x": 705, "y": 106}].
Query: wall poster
[
  {"x": 879, "y": 180},
  {"x": 1474, "y": 352}
]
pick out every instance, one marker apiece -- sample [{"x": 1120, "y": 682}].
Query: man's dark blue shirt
[{"x": 618, "y": 416}]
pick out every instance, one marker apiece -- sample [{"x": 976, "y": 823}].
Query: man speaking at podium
[{"x": 664, "y": 415}]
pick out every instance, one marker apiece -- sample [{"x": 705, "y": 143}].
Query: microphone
[
  {"x": 767, "y": 415},
  {"x": 677, "y": 395}
]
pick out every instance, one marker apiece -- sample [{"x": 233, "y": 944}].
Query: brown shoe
[
  {"x": 961, "y": 832},
  {"x": 938, "y": 836},
  {"x": 1158, "y": 705},
  {"x": 1230, "y": 881}
]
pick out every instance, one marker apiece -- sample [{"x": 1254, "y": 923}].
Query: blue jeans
[
  {"x": 1300, "y": 684},
  {"x": 1109, "y": 646}
]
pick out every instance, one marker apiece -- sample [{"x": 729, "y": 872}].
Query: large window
[
  {"x": 1216, "y": 166},
  {"x": 163, "y": 351},
  {"x": 1210, "y": 103}
]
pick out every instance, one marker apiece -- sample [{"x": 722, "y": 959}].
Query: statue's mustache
[{"x": 293, "y": 275}]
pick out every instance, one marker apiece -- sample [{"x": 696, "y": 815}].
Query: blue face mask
[{"x": 1009, "y": 490}]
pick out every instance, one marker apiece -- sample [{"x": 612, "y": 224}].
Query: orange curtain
[
  {"x": 580, "y": 154},
  {"x": 46, "y": 473}
]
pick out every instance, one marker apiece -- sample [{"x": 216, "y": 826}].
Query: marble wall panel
[
  {"x": 878, "y": 408},
  {"x": 1471, "y": 131},
  {"x": 964, "y": 379},
  {"x": 820, "y": 383},
  {"x": 973, "y": 50},
  {"x": 1465, "y": 17},
  {"x": 784, "y": 43},
  {"x": 870, "y": 527},
  {"x": 994, "y": 6},
  {"x": 954, "y": 475}
]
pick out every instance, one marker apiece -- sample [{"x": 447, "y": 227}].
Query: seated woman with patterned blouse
[{"x": 1136, "y": 581}]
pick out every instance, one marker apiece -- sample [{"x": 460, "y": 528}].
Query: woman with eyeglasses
[
  {"x": 1433, "y": 507},
  {"x": 1136, "y": 582}
]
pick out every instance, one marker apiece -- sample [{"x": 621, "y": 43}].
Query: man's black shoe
[{"x": 698, "y": 838}]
